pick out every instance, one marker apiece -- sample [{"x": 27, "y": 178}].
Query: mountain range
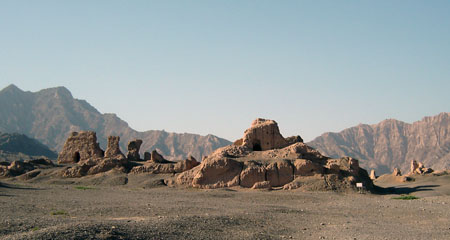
[
  {"x": 20, "y": 147},
  {"x": 392, "y": 143},
  {"x": 51, "y": 114}
]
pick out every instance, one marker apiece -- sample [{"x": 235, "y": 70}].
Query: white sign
[{"x": 359, "y": 185}]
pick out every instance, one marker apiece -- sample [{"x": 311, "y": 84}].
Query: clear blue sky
[{"x": 214, "y": 66}]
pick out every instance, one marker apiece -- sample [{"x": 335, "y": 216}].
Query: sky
[{"x": 212, "y": 67}]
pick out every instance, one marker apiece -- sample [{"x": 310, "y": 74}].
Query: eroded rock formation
[{"x": 264, "y": 159}]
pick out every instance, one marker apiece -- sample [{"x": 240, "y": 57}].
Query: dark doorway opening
[
  {"x": 76, "y": 157},
  {"x": 257, "y": 146}
]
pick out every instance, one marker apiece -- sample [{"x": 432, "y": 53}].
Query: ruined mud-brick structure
[
  {"x": 263, "y": 158},
  {"x": 82, "y": 149},
  {"x": 373, "y": 175},
  {"x": 156, "y": 163},
  {"x": 133, "y": 150},
  {"x": 419, "y": 168},
  {"x": 80, "y": 146},
  {"x": 112, "y": 148},
  {"x": 263, "y": 135},
  {"x": 25, "y": 169}
]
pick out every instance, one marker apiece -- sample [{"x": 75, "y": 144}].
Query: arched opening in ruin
[
  {"x": 76, "y": 157},
  {"x": 257, "y": 146}
]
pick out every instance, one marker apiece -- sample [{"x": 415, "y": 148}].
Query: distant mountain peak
[
  {"x": 60, "y": 91},
  {"x": 11, "y": 88},
  {"x": 49, "y": 115}
]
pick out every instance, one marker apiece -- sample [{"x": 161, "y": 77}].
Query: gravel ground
[{"x": 95, "y": 210}]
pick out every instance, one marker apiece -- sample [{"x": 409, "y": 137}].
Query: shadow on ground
[
  {"x": 403, "y": 190},
  {"x": 14, "y": 186}
]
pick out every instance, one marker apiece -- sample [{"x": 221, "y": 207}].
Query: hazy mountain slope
[
  {"x": 20, "y": 147},
  {"x": 392, "y": 143},
  {"x": 51, "y": 114}
]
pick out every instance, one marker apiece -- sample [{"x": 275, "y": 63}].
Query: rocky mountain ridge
[
  {"x": 20, "y": 147},
  {"x": 392, "y": 143},
  {"x": 50, "y": 115}
]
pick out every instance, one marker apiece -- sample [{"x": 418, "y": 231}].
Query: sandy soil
[{"x": 119, "y": 206}]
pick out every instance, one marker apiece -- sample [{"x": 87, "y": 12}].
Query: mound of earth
[
  {"x": 421, "y": 185},
  {"x": 263, "y": 158},
  {"x": 26, "y": 169}
]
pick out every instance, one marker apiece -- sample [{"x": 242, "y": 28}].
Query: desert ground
[{"x": 140, "y": 206}]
